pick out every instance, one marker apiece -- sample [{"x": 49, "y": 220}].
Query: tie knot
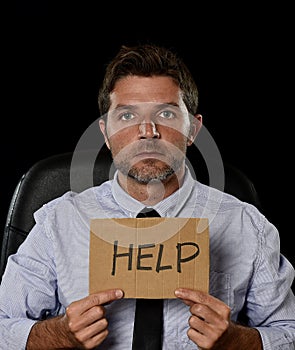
[{"x": 148, "y": 212}]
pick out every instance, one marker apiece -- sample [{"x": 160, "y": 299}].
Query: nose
[{"x": 148, "y": 130}]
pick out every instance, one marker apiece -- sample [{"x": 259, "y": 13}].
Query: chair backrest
[{"x": 51, "y": 177}]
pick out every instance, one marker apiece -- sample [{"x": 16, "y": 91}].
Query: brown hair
[{"x": 148, "y": 60}]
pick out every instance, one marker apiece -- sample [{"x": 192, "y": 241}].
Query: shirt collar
[{"x": 168, "y": 207}]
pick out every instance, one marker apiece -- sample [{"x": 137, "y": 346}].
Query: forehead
[{"x": 134, "y": 89}]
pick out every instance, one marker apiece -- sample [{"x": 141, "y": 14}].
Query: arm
[
  {"x": 28, "y": 299},
  {"x": 210, "y": 325},
  {"x": 83, "y": 326}
]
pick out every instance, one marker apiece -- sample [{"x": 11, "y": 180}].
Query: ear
[
  {"x": 196, "y": 125},
  {"x": 102, "y": 126}
]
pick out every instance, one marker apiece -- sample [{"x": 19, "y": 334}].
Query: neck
[{"x": 153, "y": 192}]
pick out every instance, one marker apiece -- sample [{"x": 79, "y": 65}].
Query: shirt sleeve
[
  {"x": 270, "y": 301},
  {"x": 29, "y": 281}
]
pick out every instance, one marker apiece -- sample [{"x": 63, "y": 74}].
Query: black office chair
[{"x": 51, "y": 177}]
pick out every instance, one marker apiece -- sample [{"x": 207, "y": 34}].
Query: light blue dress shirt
[{"x": 247, "y": 272}]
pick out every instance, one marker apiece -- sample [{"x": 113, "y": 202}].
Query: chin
[{"x": 145, "y": 175}]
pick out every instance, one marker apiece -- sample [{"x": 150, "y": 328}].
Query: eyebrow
[
  {"x": 158, "y": 105},
  {"x": 173, "y": 104},
  {"x": 121, "y": 106}
]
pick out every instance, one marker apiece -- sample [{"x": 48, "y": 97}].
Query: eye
[
  {"x": 126, "y": 116},
  {"x": 167, "y": 115}
]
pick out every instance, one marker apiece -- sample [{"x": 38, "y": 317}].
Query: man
[{"x": 149, "y": 105}]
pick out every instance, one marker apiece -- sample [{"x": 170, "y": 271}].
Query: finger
[
  {"x": 191, "y": 296},
  {"x": 101, "y": 298},
  {"x": 196, "y": 296},
  {"x": 207, "y": 321},
  {"x": 209, "y": 315},
  {"x": 199, "y": 325},
  {"x": 205, "y": 334},
  {"x": 93, "y": 330},
  {"x": 187, "y": 302},
  {"x": 86, "y": 318},
  {"x": 200, "y": 339},
  {"x": 104, "y": 297},
  {"x": 96, "y": 340}
]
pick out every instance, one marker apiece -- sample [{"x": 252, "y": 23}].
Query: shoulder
[
  {"x": 72, "y": 201},
  {"x": 228, "y": 206}
]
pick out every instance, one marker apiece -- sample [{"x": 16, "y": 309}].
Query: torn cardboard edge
[{"x": 149, "y": 257}]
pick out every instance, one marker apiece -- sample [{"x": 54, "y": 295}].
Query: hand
[
  {"x": 210, "y": 320},
  {"x": 85, "y": 319}
]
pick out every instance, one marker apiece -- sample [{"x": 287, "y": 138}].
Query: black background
[{"x": 242, "y": 60}]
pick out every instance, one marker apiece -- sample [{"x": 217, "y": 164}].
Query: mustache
[{"x": 152, "y": 145}]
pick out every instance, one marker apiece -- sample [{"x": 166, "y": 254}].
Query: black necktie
[{"x": 148, "y": 323}]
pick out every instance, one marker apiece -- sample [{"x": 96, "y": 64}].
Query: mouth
[{"x": 149, "y": 155}]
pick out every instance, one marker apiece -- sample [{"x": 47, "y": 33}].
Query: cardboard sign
[{"x": 149, "y": 257}]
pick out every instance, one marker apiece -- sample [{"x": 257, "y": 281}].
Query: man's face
[{"x": 148, "y": 128}]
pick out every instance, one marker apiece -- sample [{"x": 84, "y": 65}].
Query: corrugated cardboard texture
[{"x": 149, "y": 257}]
